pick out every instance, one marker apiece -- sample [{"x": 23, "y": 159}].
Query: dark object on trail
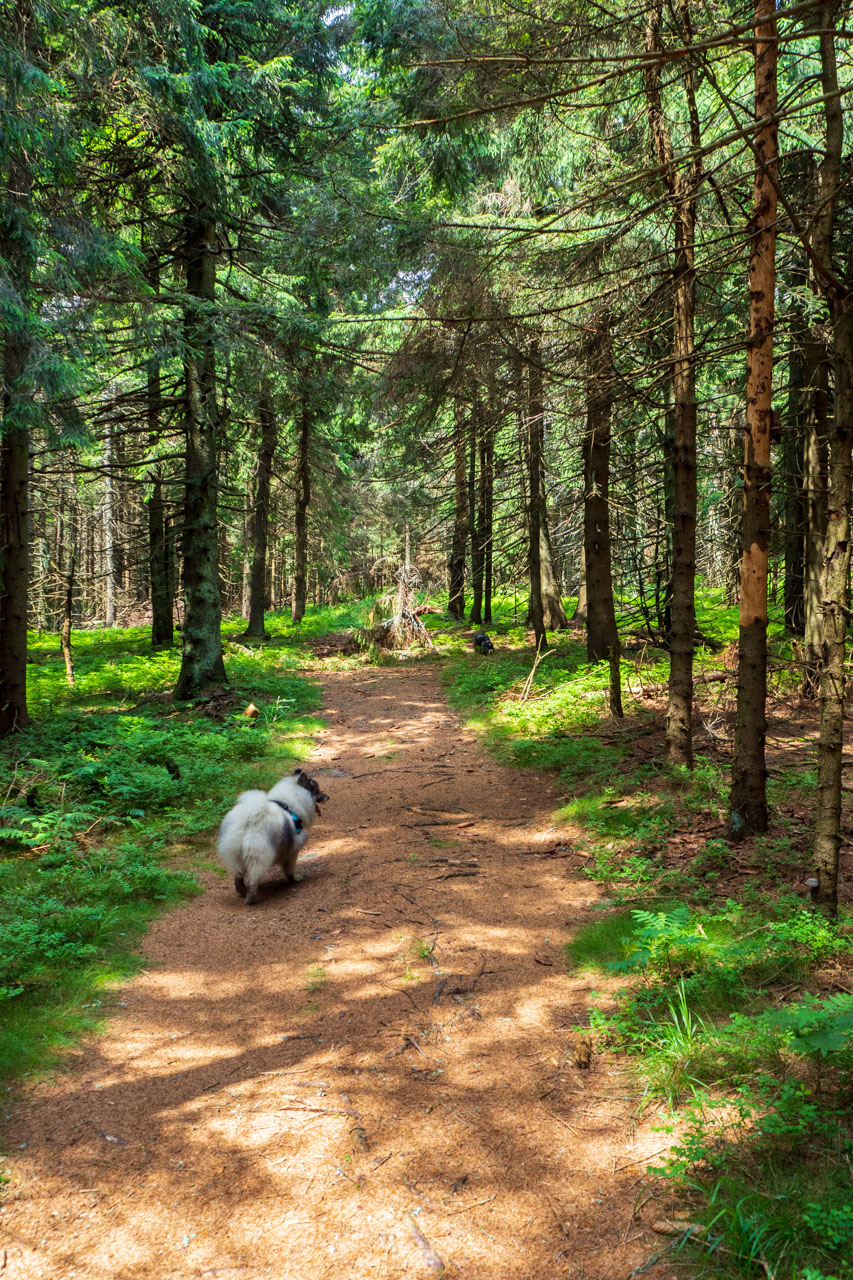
[{"x": 483, "y": 643}]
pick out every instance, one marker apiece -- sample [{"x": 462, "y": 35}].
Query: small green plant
[
  {"x": 315, "y": 978},
  {"x": 665, "y": 941}
]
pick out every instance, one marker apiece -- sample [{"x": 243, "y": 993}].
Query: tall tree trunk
[
  {"x": 14, "y": 548},
  {"x": 553, "y": 610},
  {"x": 303, "y": 499},
  {"x": 602, "y": 637},
  {"x": 535, "y": 436},
  {"x": 582, "y": 605},
  {"x": 456, "y": 560},
  {"x": 553, "y": 614},
  {"x": 682, "y": 186},
  {"x": 18, "y": 257},
  {"x": 110, "y": 552},
  {"x": 836, "y": 557},
  {"x": 792, "y": 463},
  {"x": 815, "y": 414},
  {"x": 488, "y": 468},
  {"x": 159, "y": 577},
  {"x": 68, "y": 614},
  {"x": 477, "y": 517},
  {"x": 201, "y": 659},
  {"x": 749, "y": 770},
  {"x": 261, "y": 516}
]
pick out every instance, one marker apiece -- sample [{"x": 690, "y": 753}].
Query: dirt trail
[{"x": 299, "y": 1091}]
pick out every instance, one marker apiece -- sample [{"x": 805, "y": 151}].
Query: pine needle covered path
[{"x": 373, "y": 1074}]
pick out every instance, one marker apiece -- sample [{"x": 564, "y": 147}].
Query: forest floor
[{"x": 376, "y": 1073}]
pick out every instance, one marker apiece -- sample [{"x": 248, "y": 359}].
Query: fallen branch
[{"x": 433, "y": 1261}]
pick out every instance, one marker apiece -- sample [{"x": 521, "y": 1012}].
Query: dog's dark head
[{"x": 311, "y": 785}]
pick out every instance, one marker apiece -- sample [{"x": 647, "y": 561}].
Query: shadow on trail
[{"x": 290, "y": 1084}]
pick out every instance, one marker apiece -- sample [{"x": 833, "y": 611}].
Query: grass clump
[{"x": 766, "y": 1137}]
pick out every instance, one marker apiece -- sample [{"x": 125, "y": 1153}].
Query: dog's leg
[
  {"x": 240, "y": 885},
  {"x": 253, "y": 877}
]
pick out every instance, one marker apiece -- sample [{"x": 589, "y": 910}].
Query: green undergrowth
[
  {"x": 717, "y": 980},
  {"x": 109, "y": 779},
  {"x": 732, "y": 1019},
  {"x": 319, "y": 620}
]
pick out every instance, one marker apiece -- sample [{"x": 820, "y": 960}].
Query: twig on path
[
  {"x": 674, "y": 1244},
  {"x": 443, "y": 822},
  {"x": 403, "y": 768},
  {"x": 455, "y": 875},
  {"x": 463, "y": 1208},
  {"x": 641, "y": 1159},
  {"x": 433, "y": 1261},
  {"x": 320, "y": 1111},
  {"x": 559, "y": 1119}
]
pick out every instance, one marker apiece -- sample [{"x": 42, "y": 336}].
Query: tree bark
[
  {"x": 836, "y": 557},
  {"x": 792, "y": 462},
  {"x": 682, "y": 186},
  {"x": 488, "y": 469},
  {"x": 535, "y": 435},
  {"x": 815, "y": 413},
  {"x": 456, "y": 560},
  {"x": 261, "y": 517},
  {"x": 582, "y": 605},
  {"x": 553, "y": 614},
  {"x": 601, "y": 634},
  {"x": 14, "y": 544},
  {"x": 17, "y": 253},
  {"x": 749, "y": 771},
  {"x": 67, "y": 619},
  {"x": 477, "y": 516},
  {"x": 110, "y": 566},
  {"x": 159, "y": 576},
  {"x": 201, "y": 659},
  {"x": 303, "y": 499}
]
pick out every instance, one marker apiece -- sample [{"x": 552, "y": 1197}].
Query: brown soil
[{"x": 372, "y": 1074}]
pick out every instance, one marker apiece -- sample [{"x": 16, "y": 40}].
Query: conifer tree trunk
[
  {"x": 159, "y": 577},
  {"x": 682, "y": 186},
  {"x": 477, "y": 516},
  {"x": 792, "y": 463},
  {"x": 68, "y": 610},
  {"x": 488, "y": 469},
  {"x": 602, "y": 637},
  {"x": 14, "y": 543},
  {"x": 261, "y": 516},
  {"x": 18, "y": 256},
  {"x": 815, "y": 411},
  {"x": 456, "y": 560},
  {"x": 749, "y": 770},
  {"x": 581, "y": 607},
  {"x": 111, "y": 576},
  {"x": 836, "y": 557},
  {"x": 201, "y": 659},
  {"x": 535, "y": 436},
  {"x": 553, "y": 614},
  {"x": 552, "y": 597},
  {"x": 303, "y": 499},
  {"x": 836, "y": 611}
]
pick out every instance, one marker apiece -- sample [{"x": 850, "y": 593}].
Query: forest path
[{"x": 299, "y": 1091}]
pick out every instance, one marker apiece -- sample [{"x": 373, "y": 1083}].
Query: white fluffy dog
[{"x": 268, "y": 828}]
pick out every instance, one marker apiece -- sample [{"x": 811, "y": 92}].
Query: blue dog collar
[{"x": 294, "y": 817}]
